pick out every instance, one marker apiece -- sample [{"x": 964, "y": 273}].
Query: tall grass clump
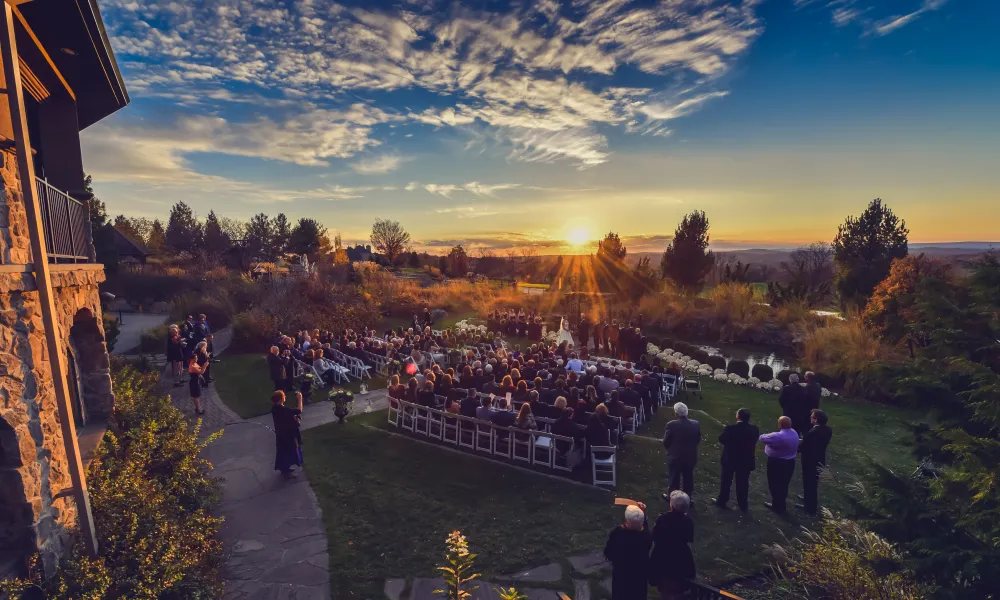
[{"x": 842, "y": 349}]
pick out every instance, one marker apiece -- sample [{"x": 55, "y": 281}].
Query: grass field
[
  {"x": 389, "y": 502},
  {"x": 243, "y": 383}
]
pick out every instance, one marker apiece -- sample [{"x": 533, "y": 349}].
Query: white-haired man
[
  {"x": 795, "y": 405},
  {"x": 627, "y": 550},
  {"x": 681, "y": 442},
  {"x": 671, "y": 563}
]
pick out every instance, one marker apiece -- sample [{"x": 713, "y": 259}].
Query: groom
[{"x": 583, "y": 330}]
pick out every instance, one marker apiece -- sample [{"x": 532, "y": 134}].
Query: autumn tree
[
  {"x": 610, "y": 249},
  {"x": 389, "y": 239},
  {"x": 157, "y": 237},
  {"x": 259, "y": 242},
  {"x": 216, "y": 242},
  {"x": 891, "y": 309},
  {"x": 687, "y": 261},
  {"x": 458, "y": 261},
  {"x": 864, "y": 250},
  {"x": 339, "y": 254}
]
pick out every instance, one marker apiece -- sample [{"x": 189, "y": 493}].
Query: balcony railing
[{"x": 64, "y": 220}]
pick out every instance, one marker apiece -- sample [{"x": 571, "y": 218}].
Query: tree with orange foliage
[{"x": 893, "y": 302}]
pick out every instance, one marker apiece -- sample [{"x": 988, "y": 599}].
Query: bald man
[{"x": 781, "y": 447}]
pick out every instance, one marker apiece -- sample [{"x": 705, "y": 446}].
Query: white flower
[
  {"x": 685, "y": 358},
  {"x": 720, "y": 372},
  {"x": 706, "y": 367},
  {"x": 652, "y": 349},
  {"x": 825, "y": 393},
  {"x": 776, "y": 384},
  {"x": 704, "y": 372},
  {"x": 733, "y": 376},
  {"x": 720, "y": 377},
  {"x": 753, "y": 381},
  {"x": 668, "y": 350}
]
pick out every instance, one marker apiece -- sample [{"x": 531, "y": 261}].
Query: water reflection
[{"x": 753, "y": 355}]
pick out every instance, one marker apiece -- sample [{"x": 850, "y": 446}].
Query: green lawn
[
  {"x": 389, "y": 502},
  {"x": 243, "y": 383}
]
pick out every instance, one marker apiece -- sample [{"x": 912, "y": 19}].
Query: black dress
[
  {"x": 195, "y": 384},
  {"x": 628, "y": 552},
  {"x": 671, "y": 563},
  {"x": 287, "y": 438},
  {"x": 175, "y": 352}
]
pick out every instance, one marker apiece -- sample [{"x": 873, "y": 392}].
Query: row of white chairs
[
  {"x": 532, "y": 447},
  {"x": 358, "y": 369}
]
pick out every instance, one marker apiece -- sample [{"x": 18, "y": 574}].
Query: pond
[{"x": 776, "y": 359}]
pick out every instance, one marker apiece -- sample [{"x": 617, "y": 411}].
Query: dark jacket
[
  {"x": 795, "y": 406},
  {"x": 671, "y": 562},
  {"x": 276, "y": 367},
  {"x": 814, "y": 392},
  {"x": 814, "y": 443},
  {"x": 469, "y": 406},
  {"x": 628, "y": 552},
  {"x": 681, "y": 441},
  {"x": 504, "y": 418},
  {"x": 739, "y": 446}
]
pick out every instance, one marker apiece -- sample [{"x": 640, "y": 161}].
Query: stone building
[{"x": 66, "y": 80}]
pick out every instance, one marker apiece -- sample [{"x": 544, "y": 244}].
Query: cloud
[
  {"x": 467, "y": 212},
  {"x": 890, "y": 24},
  {"x": 378, "y": 165},
  {"x": 845, "y": 12},
  {"x": 540, "y": 78},
  {"x": 473, "y": 187}
]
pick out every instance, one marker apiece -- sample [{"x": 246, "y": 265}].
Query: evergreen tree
[
  {"x": 216, "y": 240},
  {"x": 98, "y": 211},
  {"x": 184, "y": 233},
  {"x": 458, "y": 262},
  {"x": 864, "y": 250},
  {"x": 687, "y": 261},
  {"x": 307, "y": 238},
  {"x": 157, "y": 238},
  {"x": 259, "y": 242},
  {"x": 281, "y": 232}
]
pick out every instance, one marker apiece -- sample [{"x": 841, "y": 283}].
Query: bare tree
[
  {"x": 813, "y": 264},
  {"x": 389, "y": 238},
  {"x": 529, "y": 261}
]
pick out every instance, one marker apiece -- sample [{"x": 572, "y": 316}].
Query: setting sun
[{"x": 578, "y": 236}]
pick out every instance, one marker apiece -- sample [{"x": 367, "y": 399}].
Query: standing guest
[
  {"x": 671, "y": 563},
  {"x": 681, "y": 442},
  {"x": 175, "y": 354},
  {"x": 598, "y": 336},
  {"x": 194, "y": 384},
  {"x": 611, "y": 335},
  {"x": 739, "y": 447},
  {"x": 627, "y": 549},
  {"x": 781, "y": 448},
  {"x": 583, "y": 331},
  {"x": 428, "y": 322},
  {"x": 814, "y": 391},
  {"x": 813, "y": 449},
  {"x": 276, "y": 365},
  {"x": 794, "y": 404},
  {"x": 187, "y": 330},
  {"x": 287, "y": 437}
]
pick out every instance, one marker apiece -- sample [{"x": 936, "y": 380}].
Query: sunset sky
[{"x": 549, "y": 123}]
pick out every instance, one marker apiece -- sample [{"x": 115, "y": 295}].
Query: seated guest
[
  {"x": 451, "y": 406},
  {"x": 564, "y": 426},
  {"x": 411, "y": 390},
  {"x": 617, "y": 408},
  {"x": 485, "y": 411},
  {"x": 574, "y": 363},
  {"x": 506, "y": 386},
  {"x": 470, "y": 403},
  {"x": 629, "y": 395},
  {"x": 588, "y": 376},
  {"x": 525, "y": 420},
  {"x": 598, "y": 433},
  {"x": 396, "y": 390},
  {"x": 521, "y": 393},
  {"x": 442, "y": 384},
  {"x": 591, "y": 397},
  {"x": 425, "y": 397},
  {"x": 606, "y": 385},
  {"x": 580, "y": 414},
  {"x": 503, "y": 416}
]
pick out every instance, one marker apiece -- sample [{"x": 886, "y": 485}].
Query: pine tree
[
  {"x": 864, "y": 250},
  {"x": 281, "y": 232},
  {"x": 687, "y": 261},
  {"x": 216, "y": 240},
  {"x": 259, "y": 242},
  {"x": 184, "y": 233},
  {"x": 307, "y": 238}
]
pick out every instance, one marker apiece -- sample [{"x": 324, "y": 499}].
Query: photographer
[{"x": 628, "y": 552}]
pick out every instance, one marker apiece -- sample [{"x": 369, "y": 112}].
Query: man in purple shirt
[{"x": 781, "y": 448}]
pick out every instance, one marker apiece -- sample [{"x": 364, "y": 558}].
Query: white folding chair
[
  {"x": 544, "y": 450},
  {"x": 450, "y": 429},
  {"x": 566, "y": 460},
  {"x": 435, "y": 423},
  {"x": 603, "y": 469},
  {"x": 467, "y": 433},
  {"x": 692, "y": 386},
  {"x": 503, "y": 444},
  {"x": 669, "y": 385},
  {"x": 394, "y": 412},
  {"x": 523, "y": 446},
  {"x": 484, "y": 437},
  {"x": 422, "y": 418}
]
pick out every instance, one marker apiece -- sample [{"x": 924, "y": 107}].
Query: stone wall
[{"x": 33, "y": 463}]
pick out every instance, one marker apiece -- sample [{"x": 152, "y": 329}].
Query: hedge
[
  {"x": 784, "y": 373},
  {"x": 762, "y": 372},
  {"x": 716, "y": 361},
  {"x": 740, "y": 367}
]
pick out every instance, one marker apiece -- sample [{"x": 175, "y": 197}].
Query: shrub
[
  {"x": 111, "y": 332},
  {"x": 716, "y": 361},
  {"x": 154, "y": 341},
  {"x": 843, "y": 349},
  {"x": 438, "y": 315},
  {"x": 843, "y": 561},
  {"x": 783, "y": 374},
  {"x": 762, "y": 372},
  {"x": 829, "y": 382},
  {"x": 667, "y": 343},
  {"x": 684, "y": 348},
  {"x": 739, "y": 367},
  {"x": 700, "y": 355},
  {"x": 151, "y": 497},
  {"x": 255, "y": 330}
]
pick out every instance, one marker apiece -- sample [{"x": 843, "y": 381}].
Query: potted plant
[
  {"x": 306, "y": 383},
  {"x": 394, "y": 367},
  {"x": 343, "y": 401}
]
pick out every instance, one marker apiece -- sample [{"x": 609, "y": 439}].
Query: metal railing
[{"x": 64, "y": 219}]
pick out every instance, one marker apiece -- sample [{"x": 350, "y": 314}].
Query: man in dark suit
[
  {"x": 583, "y": 331},
  {"x": 794, "y": 404},
  {"x": 470, "y": 403},
  {"x": 813, "y": 449},
  {"x": 681, "y": 441},
  {"x": 814, "y": 391},
  {"x": 503, "y": 416},
  {"x": 739, "y": 447}
]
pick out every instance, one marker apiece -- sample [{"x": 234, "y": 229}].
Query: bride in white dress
[{"x": 564, "y": 334}]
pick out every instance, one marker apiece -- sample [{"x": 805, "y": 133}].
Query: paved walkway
[
  {"x": 132, "y": 326},
  {"x": 273, "y": 530}
]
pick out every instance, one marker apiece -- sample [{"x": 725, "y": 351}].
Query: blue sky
[{"x": 510, "y": 124}]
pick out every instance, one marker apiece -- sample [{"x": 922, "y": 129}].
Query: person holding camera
[{"x": 627, "y": 550}]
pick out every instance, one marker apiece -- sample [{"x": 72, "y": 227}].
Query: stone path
[
  {"x": 132, "y": 326},
  {"x": 273, "y": 531},
  {"x": 584, "y": 570}
]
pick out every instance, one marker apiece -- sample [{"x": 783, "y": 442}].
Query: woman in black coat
[
  {"x": 671, "y": 563},
  {"x": 628, "y": 552}
]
